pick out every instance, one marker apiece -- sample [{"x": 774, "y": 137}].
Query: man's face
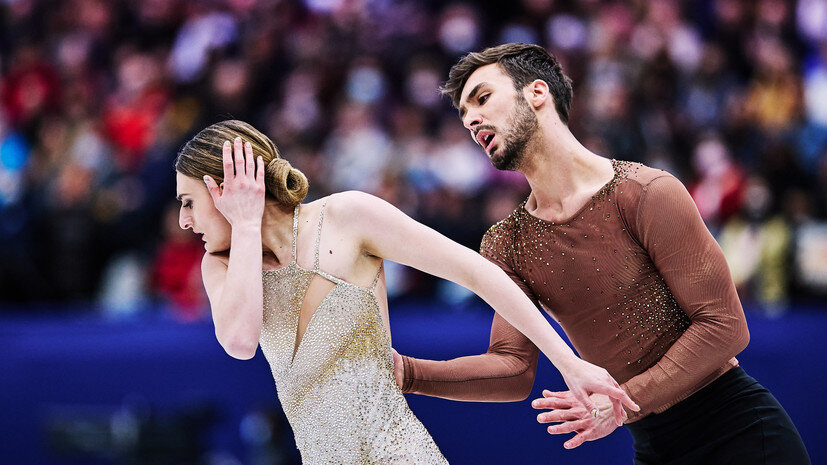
[{"x": 498, "y": 116}]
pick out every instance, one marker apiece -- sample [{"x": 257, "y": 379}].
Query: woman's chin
[{"x": 211, "y": 248}]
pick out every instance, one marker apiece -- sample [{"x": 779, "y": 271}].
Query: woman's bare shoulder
[{"x": 350, "y": 206}]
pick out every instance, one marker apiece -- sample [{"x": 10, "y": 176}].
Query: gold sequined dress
[{"x": 338, "y": 389}]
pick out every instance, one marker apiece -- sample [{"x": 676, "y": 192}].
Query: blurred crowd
[{"x": 98, "y": 95}]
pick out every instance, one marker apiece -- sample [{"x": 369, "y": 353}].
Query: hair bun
[{"x": 288, "y": 185}]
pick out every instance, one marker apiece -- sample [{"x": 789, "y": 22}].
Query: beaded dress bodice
[{"x": 336, "y": 384}]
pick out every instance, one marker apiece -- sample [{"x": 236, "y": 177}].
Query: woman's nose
[{"x": 184, "y": 220}]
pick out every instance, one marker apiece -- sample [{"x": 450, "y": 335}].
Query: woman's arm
[
  {"x": 504, "y": 373},
  {"x": 386, "y": 232},
  {"x": 237, "y": 314},
  {"x": 235, "y": 289}
]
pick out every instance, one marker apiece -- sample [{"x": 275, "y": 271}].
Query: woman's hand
[
  {"x": 240, "y": 198},
  {"x": 585, "y": 379}
]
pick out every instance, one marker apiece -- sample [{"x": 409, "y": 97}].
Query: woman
[{"x": 305, "y": 282}]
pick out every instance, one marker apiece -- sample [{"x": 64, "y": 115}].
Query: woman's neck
[{"x": 277, "y": 230}]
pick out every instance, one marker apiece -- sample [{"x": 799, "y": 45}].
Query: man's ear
[{"x": 537, "y": 94}]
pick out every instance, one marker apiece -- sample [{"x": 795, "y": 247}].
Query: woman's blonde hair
[{"x": 202, "y": 155}]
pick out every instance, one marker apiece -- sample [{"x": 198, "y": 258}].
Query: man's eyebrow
[{"x": 470, "y": 96}]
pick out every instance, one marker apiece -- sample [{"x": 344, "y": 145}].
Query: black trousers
[{"x": 733, "y": 421}]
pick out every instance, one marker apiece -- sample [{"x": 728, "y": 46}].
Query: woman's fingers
[
  {"x": 619, "y": 394},
  {"x": 213, "y": 189},
  {"x": 239, "y": 161},
  {"x": 260, "y": 171},
  {"x": 628, "y": 402},
  {"x": 617, "y": 408},
  {"x": 227, "y": 157},
  {"x": 249, "y": 161},
  {"x": 238, "y": 157},
  {"x": 584, "y": 399}
]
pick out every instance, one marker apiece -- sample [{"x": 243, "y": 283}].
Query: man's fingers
[
  {"x": 568, "y": 427},
  {"x": 551, "y": 402},
  {"x": 238, "y": 157},
  {"x": 560, "y": 415},
  {"x": 249, "y": 161},
  {"x": 227, "y": 157},
  {"x": 398, "y": 368},
  {"x": 562, "y": 395},
  {"x": 579, "y": 439}
]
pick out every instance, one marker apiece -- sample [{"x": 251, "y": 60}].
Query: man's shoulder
[
  {"x": 500, "y": 234},
  {"x": 639, "y": 173},
  {"x": 634, "y": 179},
  {"x": 506, "y": 224}
]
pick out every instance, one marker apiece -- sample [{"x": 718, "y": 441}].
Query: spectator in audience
[{"x": 106, "y": 92}]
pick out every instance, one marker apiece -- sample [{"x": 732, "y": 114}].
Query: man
[{"x": 618, "y": 254}]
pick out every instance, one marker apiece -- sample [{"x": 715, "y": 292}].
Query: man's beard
[{"x": 521, "y": 128}]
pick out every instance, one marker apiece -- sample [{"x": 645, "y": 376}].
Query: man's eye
[{"x": 483, "y": 98}]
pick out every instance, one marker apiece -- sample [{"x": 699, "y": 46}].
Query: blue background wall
[{"x": 53, "y": 368}]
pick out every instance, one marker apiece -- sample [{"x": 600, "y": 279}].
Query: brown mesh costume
[{"x": 636, "y": 281}]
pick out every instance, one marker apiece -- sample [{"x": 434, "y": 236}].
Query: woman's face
[{"x": 198, "y": 213}]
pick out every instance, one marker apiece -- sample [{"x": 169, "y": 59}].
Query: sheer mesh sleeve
[{"x": 668, "y": 225}]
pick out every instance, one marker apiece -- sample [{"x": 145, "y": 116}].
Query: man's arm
[
  {"x": 668, "y": 225},
  {"x": 505, "y": 373}
]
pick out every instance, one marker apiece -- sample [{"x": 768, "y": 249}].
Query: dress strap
[
  {"x": 295, "y": 230},
  {"x": 378, "y": 273},
  {"x": 319, "y": 236}
]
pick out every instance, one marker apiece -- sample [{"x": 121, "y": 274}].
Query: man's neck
[{"x": 562, "y": 173}]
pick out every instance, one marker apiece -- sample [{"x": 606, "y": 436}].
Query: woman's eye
[
  {"x": 483, "y": 98},
  {"x": 188, "y": 204}
]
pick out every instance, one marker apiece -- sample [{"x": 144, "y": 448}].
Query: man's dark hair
[{"x": 524, "y": 63}]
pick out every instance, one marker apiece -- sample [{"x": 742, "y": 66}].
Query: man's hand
[
  {"x": 398, "y": 368},
  {"x": 574, "y": 418},
  {"x": 585, "y": 379}
]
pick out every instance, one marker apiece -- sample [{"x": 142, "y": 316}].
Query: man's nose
[{"x": 471, "y": 120}]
